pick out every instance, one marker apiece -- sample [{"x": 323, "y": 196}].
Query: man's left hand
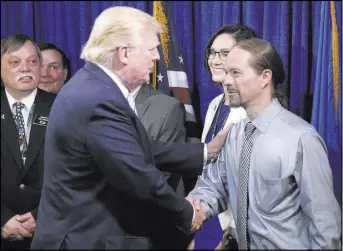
[{"x": 27, "y": 221}]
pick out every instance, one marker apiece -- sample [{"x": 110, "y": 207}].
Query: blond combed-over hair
[{"x": 114, "y": 27}]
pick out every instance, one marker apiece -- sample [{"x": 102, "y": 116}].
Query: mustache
[
  {"x": 30, "y": 75},
  {"x": 231, "y": 90}
]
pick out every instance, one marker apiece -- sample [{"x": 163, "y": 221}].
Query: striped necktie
[{"x": 242, "y": 196}]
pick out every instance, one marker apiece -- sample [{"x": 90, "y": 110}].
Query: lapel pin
[{"x": 2, "y": 116}]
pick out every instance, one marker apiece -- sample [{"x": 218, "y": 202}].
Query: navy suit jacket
[{"x": 101, "y": 186}]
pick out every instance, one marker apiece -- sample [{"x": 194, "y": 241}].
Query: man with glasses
[{"x": 24, "y": 117}]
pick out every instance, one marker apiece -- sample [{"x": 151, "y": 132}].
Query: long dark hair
[{"x": 239, "y": 32}]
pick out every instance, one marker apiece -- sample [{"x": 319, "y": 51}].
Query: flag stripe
[
  {"x": 182, "y": 94},
  {"x": 190, "y": 115},
  {"x": 177, "y": 79}
]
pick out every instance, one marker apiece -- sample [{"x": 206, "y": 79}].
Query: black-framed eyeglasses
[{"x": 211, "y": 54}]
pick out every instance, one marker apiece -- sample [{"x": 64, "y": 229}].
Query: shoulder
[
  {"x": 163, "y": 99},
  {"x": 295, "y": 124}
]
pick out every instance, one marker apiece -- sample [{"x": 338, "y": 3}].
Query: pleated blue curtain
[
  {"x": 299, "y": 30},
  {"x": 17, "y": 17}
]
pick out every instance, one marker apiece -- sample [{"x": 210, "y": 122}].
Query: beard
[{"x": 235, "y": 99}]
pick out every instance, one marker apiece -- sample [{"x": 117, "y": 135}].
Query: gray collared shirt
[{"x": 291, "y": 198}]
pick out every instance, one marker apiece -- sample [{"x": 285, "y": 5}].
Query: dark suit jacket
[
  {"x": 21, "y": 185},
  {"x": 101, "y": 188},
  {"x": 164, "y": 120}
]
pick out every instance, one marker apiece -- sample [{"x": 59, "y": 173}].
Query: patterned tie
[
  {"x": 19, "y": 122},
  {"x": 242, "y": 197}
]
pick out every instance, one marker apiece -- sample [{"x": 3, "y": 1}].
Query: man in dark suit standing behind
[
  {"x": 101, "y": 186},
  {"x": 164, "y": 120},
  {"x": 24, "y": 117}
]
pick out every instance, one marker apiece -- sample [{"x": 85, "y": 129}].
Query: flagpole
[{"x": 154, "y": 73}]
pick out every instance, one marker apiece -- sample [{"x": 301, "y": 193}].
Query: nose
[
  {"x": 156, "y": 55},
  {"x": 228, "y": 80},
  {"x": 216, "y": 60},
  {"x": 24, "y": 67},
  {"x": 45, "y": 71}
]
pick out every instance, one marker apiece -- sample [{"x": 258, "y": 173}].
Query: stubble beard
[{"x": 235, "y": 100}]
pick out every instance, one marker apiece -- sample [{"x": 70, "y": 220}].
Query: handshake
[{"x": 199, "y": 214}]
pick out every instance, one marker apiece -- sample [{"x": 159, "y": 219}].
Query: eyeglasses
[{"x": 211, "y": 54}]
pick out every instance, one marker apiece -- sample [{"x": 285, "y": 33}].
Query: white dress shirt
[
  {"x": 129, "y": 96},
  {"x": 28, "y": 103}
]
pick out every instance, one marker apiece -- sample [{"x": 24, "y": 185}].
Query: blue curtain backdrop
[{"x": 300, "y": 31}]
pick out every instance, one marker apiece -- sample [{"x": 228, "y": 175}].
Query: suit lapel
[
  {"x": 8, "y": 129},
  {"x": 37, "y": 133},
  {"x": 141, "y": 101}
]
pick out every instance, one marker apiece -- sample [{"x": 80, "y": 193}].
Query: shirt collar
[
  {"x": 27, "y": 101},
  {"x": 263, "y": 121},
  {"x": 119, "y": 83},
  {"x": 115, "y": 79}
]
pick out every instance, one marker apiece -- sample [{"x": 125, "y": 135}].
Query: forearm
[{"x": 211, "y": 189}]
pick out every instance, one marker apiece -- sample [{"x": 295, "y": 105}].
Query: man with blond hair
[{"x": 101, "y": 186}]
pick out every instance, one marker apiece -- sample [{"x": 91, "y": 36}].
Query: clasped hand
[
  {"x": 200, "y": 214},
  {"x": 18, "y": 227}
]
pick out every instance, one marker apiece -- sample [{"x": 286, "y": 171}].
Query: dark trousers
[{"x": 16, "y": 245}]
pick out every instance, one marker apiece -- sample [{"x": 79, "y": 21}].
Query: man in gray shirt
[{"x": 273, "y": 169}]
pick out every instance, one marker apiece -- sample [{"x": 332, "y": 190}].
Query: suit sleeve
[
  {"x": 6, "y": 214},
  {"x": 114, "y": 143},
  {"x": 34, "y": 213}
]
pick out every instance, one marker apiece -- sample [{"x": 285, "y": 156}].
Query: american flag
[{"x": 169, "y": 75}]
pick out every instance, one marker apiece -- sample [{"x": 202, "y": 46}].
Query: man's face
[
  {"x": 241, "y": 82},
  {"x": 140, "y": 60},
  {"x": 20, "y": 70},
  {"x": 53, "y": 75}
]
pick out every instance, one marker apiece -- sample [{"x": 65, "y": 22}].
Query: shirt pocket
[{"x": 269, "y": 193}]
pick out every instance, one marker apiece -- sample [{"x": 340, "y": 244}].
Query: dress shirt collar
[
  {"x": 27, "y": 101},
  {"x": 263, "y": 120},
  {"x": 119, "y": 83}
]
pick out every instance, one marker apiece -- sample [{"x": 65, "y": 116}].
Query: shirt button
[{"x": 22, "y": 186}]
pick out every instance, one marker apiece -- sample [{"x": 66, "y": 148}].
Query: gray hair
[{"x": 14, "y": 42}]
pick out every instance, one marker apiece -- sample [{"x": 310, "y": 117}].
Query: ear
[
  {"x": 123, "y": 54},
  {"x": 266, "y": 77}
]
